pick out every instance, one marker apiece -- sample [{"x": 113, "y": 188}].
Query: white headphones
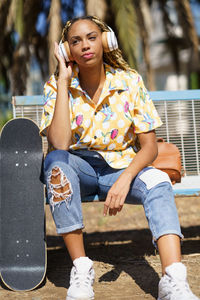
[{"x": 109, "y": 42}]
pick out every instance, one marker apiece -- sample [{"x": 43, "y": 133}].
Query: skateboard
[{"x": 22, "y": 216}]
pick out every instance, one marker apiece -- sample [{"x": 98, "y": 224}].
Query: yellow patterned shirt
[{"x": 110, "y": 127}]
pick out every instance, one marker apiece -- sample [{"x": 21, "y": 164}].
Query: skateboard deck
[{"x": 22, "y": 217}]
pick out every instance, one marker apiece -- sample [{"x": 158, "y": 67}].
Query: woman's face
[{"x": 85, "y": 42}]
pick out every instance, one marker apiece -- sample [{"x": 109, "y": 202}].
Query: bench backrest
[{"x": 179, "y": 111}]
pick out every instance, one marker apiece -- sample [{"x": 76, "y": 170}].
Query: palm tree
[
  {"x": 54, "y": 30},
  {"x": 187, "y": 37},
  {"x": 120, "y": 16},
  {"x": 129, "y": 19},
  {"x": 6, "y": 48},
  {"x": 17, "y": 19},
  {"x": 143, "y": 15},
  {"x": 187, "y": 23},
  {"x": 21, "y": 16}
]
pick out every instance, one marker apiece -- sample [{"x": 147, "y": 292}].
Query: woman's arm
[
  {"x": 59, "y": 131},
  {"x": 119, "y": 190},
  {"x": 144, "y": 157}
]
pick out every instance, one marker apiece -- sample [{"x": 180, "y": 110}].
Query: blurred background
[{"x": 159, "y": 38}]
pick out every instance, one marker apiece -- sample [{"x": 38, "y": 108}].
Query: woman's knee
[
  {"x": 58, "y": 175},
  {"x": 56, "y": 156},
  {"x": 59, "y": 185},
  {"x": 153, "y": 177}
]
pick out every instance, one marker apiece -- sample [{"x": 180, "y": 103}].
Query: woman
[{"x": 95, "y": 108}]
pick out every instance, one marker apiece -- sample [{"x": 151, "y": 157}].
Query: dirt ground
[{"x": 125, "y": 261}]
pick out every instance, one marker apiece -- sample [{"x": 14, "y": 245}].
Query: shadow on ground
[{"x": 124, "y": 249}]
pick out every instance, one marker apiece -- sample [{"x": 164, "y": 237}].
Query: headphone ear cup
[
  {"x": 109, "y": 41},
  {"x": 64, "y": 51}
]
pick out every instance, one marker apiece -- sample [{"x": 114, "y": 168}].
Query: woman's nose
[{"x": 85, "y": 44}]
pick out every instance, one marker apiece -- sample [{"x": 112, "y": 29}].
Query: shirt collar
[{"x": 113, "y": 79}]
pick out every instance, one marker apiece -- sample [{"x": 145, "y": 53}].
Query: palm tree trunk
[
  {"x": 97, "y": 8},
  {"x": 171, "y": 43},
  {"x": 4, "y": 40},
  {"x": 54, "y": 31},
  {"x": 187, "y": 23},
  {"x": 140, "y": 6},
  {"x": 25, "y": 21}
]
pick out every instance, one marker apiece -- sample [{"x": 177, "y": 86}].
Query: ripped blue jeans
[{"x": 71, "y": 175}]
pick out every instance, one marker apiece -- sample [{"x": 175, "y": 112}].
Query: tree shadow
[
  {"x": 191, "y": 242},
  {"x": 125, "y": 250}
]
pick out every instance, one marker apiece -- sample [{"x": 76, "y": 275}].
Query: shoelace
[
  {"x": 81, "y": 278},
  {"x": 181, "y": 287}
]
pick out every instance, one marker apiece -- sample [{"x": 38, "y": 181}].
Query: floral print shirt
[{"x": 110, "y": 127}]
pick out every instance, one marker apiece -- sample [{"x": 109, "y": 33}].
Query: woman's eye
[
  {"x": 92, "y": 38},
  {"x": 75, "y": 42}
]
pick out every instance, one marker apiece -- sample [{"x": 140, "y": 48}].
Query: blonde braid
[
  {"x": 65, "y": 31},
  {"x": 113, "y": 58}
]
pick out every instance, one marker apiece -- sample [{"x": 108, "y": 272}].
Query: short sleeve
[
  {"x": 49, "y": 97},
  {"x": 145, "y": 115}
]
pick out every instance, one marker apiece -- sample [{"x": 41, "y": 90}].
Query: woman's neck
[{"x": 92, "y": 80}]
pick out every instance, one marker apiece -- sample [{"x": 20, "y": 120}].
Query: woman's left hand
[
  {"x": 117, "y": 195},
  {"x": 119, "y": 190}
]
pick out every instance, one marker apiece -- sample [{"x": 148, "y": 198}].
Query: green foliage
[
  {"x": 19, "y": 21},
  {"x": 126, "y": 24},
  {"x": 194, "y": 80},
  {"x": 5, "y": 117}
]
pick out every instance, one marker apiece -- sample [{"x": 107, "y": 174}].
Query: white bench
[{"x": 180, "y": 113}]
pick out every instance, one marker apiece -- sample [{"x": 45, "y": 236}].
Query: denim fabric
[{"x": 90, "y": 174}]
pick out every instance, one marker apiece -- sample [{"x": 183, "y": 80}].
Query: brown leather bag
[{"x": 169, "y": 160}]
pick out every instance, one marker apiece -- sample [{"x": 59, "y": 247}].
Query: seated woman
[{"x": 95, "y": 108}]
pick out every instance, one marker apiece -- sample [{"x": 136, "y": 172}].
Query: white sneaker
[
  {"x": 81, "y": 280},
  {"x": 173, "y": 285}
]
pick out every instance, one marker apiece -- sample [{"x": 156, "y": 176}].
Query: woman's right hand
[{"x": 65, "y": 71}]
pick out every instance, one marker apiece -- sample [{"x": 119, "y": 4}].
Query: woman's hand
[
  {"x": 117, "y": 194},
  {"x": 65, "y": 72}
]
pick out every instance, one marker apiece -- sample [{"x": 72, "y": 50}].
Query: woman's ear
[{"x": 64, "y": 51}]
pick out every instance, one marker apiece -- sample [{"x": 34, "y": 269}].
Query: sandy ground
[{"x": 126, "y": 264}]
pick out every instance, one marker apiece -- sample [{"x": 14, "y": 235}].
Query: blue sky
[
  {"x": 68, "y": 7},
  {"x": 196, "y": 13}
]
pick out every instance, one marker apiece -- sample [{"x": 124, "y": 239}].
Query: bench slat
[{"x": 155, "y": 95}]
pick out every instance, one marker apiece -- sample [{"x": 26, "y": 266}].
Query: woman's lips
[{"x": 88, "y": 55}]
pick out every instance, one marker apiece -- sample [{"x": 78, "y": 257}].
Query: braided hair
[{"x": 113, "y": 58}]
